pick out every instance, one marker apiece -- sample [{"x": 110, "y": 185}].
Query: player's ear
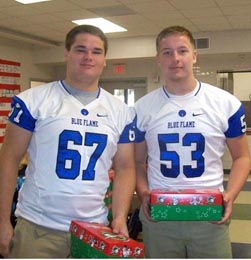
[
  {"x": 194, "y": 56},
  {"x": 65, "y": 54}
]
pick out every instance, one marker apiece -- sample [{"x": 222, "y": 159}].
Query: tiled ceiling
[{"x": 48, "y": 22}]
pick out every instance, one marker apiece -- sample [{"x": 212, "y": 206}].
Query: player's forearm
[
  {"x": 123, "y": 189},
  {"x": 141, "y": 180},
  {"x": 8, "y": 180},
  {"x": 7, "y": 188}
]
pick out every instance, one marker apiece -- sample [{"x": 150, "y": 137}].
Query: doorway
[{"x": 127, "y": 90}]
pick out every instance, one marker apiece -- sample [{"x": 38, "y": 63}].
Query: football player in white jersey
[
  {"x": 182, "y": 129},
  {"x": 73, "y": 131}
]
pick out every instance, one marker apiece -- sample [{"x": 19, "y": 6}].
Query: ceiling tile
[
  {"x": 194, "y": 4},
  {"x": 202, "y": 12},
  {"x": 53, "y": 18},
  {"x": 95, "y": 3}
]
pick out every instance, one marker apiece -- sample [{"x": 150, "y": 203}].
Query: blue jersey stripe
[
  {"x": 20, "y": 115},
  {"x": 236, "y": 123}
]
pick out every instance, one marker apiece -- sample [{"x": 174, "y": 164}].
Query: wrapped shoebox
[
  {"x": 91, "y": 240},
  {"x": 186, "y": 204}
]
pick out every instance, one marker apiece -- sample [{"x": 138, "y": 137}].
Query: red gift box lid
[{"x": 186, "y": 197}]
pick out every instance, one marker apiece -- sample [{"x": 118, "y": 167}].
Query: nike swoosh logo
[
  {"x": 102, "y": 115},
  {"x": 197, "y": 114}
]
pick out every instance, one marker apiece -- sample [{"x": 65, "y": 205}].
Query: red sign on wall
[
  {"x": 119, "y": 68},
  {"x": 9, "y": 86}
]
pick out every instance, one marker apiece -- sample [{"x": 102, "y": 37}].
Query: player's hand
[
  {"x": 228, "y": 206},
  {"x": 6, "y": 234},
  {"x": 119, "y": 226},
  {"x": 145, "y": 198}
]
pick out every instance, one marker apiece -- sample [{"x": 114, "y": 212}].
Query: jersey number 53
[{"x": 172, "y": 156}]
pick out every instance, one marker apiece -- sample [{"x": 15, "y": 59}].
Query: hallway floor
[{"x": 240, "y": 227}]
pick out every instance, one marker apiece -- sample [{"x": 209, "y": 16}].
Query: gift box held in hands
[
  {"x": 91, "y": 240},
  {"x": 186, "y": 204}
]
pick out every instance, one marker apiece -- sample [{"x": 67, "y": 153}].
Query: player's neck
[
  {"x": 82, "y": 85},
  {"x": 181, "y": 87}
]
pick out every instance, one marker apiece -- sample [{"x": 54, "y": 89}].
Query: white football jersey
[
  {"x": 71, "y": 151},
  {"x": 186, "y": 135}
]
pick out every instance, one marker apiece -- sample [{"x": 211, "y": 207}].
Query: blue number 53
[{"x": 174, "y": 157}]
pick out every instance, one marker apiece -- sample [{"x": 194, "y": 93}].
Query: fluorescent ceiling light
[
  {"x": 103, "y": 24},
  {"x": 31, "y": 1}
]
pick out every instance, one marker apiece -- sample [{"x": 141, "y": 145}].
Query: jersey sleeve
[
  {"x": 128, "y": 133},
  {"x": 236, "y": 123},
  {"x": 20, "y": 114},
  {"x": 139, "y": 135}
]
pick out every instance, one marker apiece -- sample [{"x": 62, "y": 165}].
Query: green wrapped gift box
[
  {"x": 92, "y": 240},
  {"x": 186, "y": 204}
]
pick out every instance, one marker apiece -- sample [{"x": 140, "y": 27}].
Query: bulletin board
[{"x": 9, "y": 86}]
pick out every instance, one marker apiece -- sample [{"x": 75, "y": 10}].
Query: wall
[
  {"x": 23, "y": 53},
  {"x": 144, "y": 47},
  {"x": 243, "y": 81}
]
